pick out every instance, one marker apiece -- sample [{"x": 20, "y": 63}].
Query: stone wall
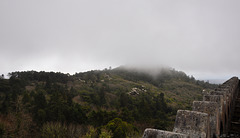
[
  {"x": 210, "y": 118},
  {"x": 154, "y": 133}
]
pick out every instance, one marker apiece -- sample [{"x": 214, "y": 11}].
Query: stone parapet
[
  {"x": 209, "y": 118},
  {"x": 155, "y": 133}
]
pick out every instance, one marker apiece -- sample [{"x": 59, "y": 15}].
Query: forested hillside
[{"x": 115, "y": 103}]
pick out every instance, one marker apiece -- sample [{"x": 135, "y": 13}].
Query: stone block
[
  {"x": 212, "y": 109},
  {"x": 192, "y": 123},
  {"x": 219, "y": 93},
  {"x": 215, "y": 98},
  {"x": 155, "y": 133}
]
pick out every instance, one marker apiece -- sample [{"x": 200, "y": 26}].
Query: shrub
[
  {"x": 121, "y": 129},
  {"x": 52, "y": 130},
  {"x": 105, "y": 134},
  {"x": 56, "y": 129}
]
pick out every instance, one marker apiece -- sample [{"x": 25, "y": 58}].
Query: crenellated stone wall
[{"x": 210, "y": 118}]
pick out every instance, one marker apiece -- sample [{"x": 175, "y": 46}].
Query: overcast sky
[{"x": 199, "y": 37}]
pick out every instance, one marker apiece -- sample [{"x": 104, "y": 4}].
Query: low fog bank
[
  {"x": 147, "y": 69},
  {"x": 155, "y": 71}
]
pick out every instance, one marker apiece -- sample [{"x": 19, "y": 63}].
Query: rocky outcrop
[{"x": 137, "y": 91}]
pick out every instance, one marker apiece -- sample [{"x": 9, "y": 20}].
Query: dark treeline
[
  {"x": 90, "y": 104},
  {"x": 41, "y": 76}
]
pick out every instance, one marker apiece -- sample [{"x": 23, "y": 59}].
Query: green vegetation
[{"x": 115, "y": 103}]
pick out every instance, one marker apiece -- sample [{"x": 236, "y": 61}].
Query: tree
[
  {"x": 119, "y": 128},
  {"x": 40, "y": 100},
  {"x": 163, "y": 105},
  {"x": 2, "y": 76},
  {"x": 126, "y": 115},
  {"x": 39, "y": 107},
  {"x": 101, "y": 95},
  {"x": 26, "y": 98},
  {"x": 123, "y": 99}
]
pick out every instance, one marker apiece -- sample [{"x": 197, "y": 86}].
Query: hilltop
[{"x": 117, "y": 102}]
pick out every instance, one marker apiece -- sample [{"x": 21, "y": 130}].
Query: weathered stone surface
[
  {"x": 216, "y": 98},
  {"x": 226, "y": 115},
  {"x": 194, "y": 124},
  {"x": 154, "y": 133},
  {"x": 213, "y": 98},
  {"x": 212, "y": 109},
  {"x": 219, "y": 93}
]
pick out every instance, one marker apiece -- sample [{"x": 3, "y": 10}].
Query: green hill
[{"x": 119, "y": 102}]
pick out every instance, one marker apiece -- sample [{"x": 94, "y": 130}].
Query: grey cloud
[{"x": 199, "y": 37}]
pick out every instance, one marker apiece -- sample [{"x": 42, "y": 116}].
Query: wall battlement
[{"x": 214, "y": 117}]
